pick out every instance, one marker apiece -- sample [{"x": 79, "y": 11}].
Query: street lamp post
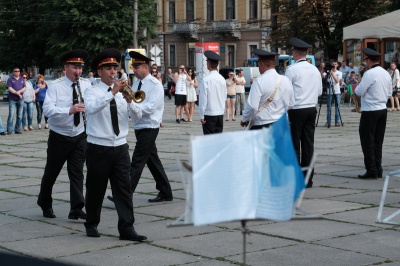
[{"x": 135, "y": 23}]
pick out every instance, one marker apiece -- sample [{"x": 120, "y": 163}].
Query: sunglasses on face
[
  {"x": 24, "y": 77},
  {"x": 16, "y": 70},
  {"x": 182, "y": 68}
]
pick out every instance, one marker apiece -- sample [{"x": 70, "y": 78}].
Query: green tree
[
  {"x": 319, "y": 22},
  {"x": 39, "y": 32}
]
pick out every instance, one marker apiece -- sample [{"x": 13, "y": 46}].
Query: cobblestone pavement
[{"x": 346, "y": 235}]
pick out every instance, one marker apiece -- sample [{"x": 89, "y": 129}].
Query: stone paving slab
[
  {"x": 371, "y": 198},
  {"x": 57, "y": 246},
  {"x": 222, "y": 244},
  {"x": 20, "y": 182},
  {"x": 326, "y": 206},
  {"x": 29, "y": 230},
  {"x": 307, "y": 254},
  {"x": 382, "y": 243},
  {"x": 367, "y": 216},
  {"x": 320, "y": 229},
  {"x": 133, "y": 255}
]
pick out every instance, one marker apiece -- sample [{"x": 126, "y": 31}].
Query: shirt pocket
[{"x": 64, "y": 101}]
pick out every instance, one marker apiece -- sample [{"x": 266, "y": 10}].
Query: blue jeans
[
  {"x": 1, "y": 125},
  {"x": 28, "y": 109},
  {"x": 12, "y": 106},
  {"x": 331, "y": 97},
  {"x": 39, "y": 109}
]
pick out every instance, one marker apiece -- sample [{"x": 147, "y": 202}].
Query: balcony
[
  {"x": 229, "y": 28},
  {"x": 187, "y": 29}
]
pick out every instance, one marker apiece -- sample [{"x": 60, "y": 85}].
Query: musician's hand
[
  {"x": 76, "y": 108},
  {"x": 244, "y": 124},
  {"x": 127, "y": 100},
  {"x": 118, "y": 85},
  {"x": 203, "y": 121}
]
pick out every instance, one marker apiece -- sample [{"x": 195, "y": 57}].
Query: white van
[{"x": 249, "y": 74}]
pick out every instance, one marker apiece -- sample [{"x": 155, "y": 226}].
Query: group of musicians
[{"x": 91, "y": 123}]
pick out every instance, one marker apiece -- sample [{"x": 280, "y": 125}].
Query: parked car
[
  {"x": 225, "y": 72},
  {"x": 6, "y": 93}
]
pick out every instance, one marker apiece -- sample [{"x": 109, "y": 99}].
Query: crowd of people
[{"x": 22, "y": 96}]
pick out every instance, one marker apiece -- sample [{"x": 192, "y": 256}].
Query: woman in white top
[
  {"x": 29, "y": 98},
  {"x": 181, "y": 94},
  {"x": 191, "y": 85},
  {"x": 394, "y": 73}
]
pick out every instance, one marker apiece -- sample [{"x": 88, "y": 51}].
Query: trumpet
[{"x": 137, "y": 96}]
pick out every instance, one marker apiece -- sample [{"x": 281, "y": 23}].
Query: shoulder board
[
  {"x": 154, "y": 80},
  {"x": 57, "y": 80},
  {"x": 83, "y": 80}
]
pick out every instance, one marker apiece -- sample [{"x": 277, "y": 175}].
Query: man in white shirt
[
  {"x": 240, "y": 92},
  {"x": 271, "y": 94},
  {"x": 213, "y": 95},
  {"x": 146, "y": 120},
  {"x": 65, "y": 109},
  {"x": 344, "y": 69},
  {"x": 352, "y": 67},
  {"x": 307, "y": 86},
  {"x": 333, "y": 92},
  {"x": 108, "y": 151},
  {"x": 375, "y": 89}
]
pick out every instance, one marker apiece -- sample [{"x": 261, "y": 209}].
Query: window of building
[
  {"x": 189, "y": 10},
  {"x": 172, "y": 55},
  {"x": 253, "y": 9},
  {"x": 231, "y": 56},
  {"x": 172, "y": 17},
  {"x": 251, "y": 48},
  {"x": 210, "y": 10},
  {"x": 191, "y": 57},
  {"x": 230, "y": 9}
]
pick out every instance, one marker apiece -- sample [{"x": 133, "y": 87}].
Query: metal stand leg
[
  {"x": 245, "y": 232},
  {"x": 388, "y": 219}
]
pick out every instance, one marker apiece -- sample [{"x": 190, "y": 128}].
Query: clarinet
[{"x": 80, "y": 99}]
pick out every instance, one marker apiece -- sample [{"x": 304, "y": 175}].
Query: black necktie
[
  {"x": 114, "y": 115},
  {"x": 140, "y": 85},
  {"x": 77, "y": 117}
]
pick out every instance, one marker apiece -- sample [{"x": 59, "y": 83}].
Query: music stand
[
  {"x": 298, "y": 213},
  {"x": 388, "y": 219}
]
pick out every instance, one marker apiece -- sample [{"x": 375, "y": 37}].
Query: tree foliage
[
  {"x": 39, "y": 32},
  {"x": 319, "y": 22}
]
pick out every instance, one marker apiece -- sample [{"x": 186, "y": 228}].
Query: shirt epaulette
[
  {"x": 57, "y": 80},
  {"x": 85, "y": 80},
  {"x": 154, "y": 80}
]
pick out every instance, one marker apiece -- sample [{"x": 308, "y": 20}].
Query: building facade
[{"x": 238, "y": 26}]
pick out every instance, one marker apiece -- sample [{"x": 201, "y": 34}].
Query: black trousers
[
  {"x": 146, "y": 153},
  {"x": 214, "y": 124},
  {"x": 109, "y": 163},
  {"x": 302, "y": 128},
  {"x": 372, "y": 131},
  {"x": 61, "y": 149}
]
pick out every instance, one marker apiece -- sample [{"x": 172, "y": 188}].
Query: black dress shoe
[
  {"x": 18, "y": 132},
  {"x": 367, "y": 176},
  {"x": 110, "y": 198},
  {"x": 92, "y": 232},
  {"x": 48, "y": 213},
  {"x": 133, "y": 236},
  {"x": 2, "y": 133},
  {"x": 160, "y": 198},
  {"x": 75, "y": 214}
]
